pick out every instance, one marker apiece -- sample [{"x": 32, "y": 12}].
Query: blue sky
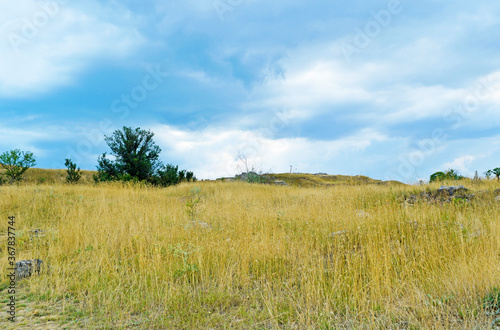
[{"x": 393, "y": 89}]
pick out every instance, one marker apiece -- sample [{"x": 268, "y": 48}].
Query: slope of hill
[
  {"x": 324, "y": 180},
  {"x": 51, "y": 176},
  {"x": 40, "y": 175}
]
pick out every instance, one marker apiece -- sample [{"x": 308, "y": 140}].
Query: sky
[{"x": 394, "y": 90}]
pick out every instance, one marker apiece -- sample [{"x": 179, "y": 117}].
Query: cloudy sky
[{"x": 393, "y": 89}]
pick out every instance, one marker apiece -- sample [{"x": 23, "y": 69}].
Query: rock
[
  {"x": 411, "y": 200},
  {"x": 448, "y": 194},
  {"x": 280, "y": 183},
  {"x": 361, "y": 214},
  {"x": 245, "y": 176},
  {"x": 339, "y": 233},
  {"x": 452, "y": 191},
  {"x": 496, "y": 192},
  {"x": 497, "y": 199},
  {"x": 35, "y": 233},
  {"x": 201, "y": 224},
  {"x": 26, "y": 268}
]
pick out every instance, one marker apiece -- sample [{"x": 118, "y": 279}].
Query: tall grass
[{"x": 268, "y": 257}]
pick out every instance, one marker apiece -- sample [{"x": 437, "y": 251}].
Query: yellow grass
[{"x": 130, "y": 256}]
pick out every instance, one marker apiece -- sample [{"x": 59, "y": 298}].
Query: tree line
[{"x": 136, "y": 158}]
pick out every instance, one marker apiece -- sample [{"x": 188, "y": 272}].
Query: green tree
[
  {"x": 496, "y": 172},
  {"x": 451, "y": 174},
  {"x": 190, "y": 176},
  {"x": 488, "y": 174},
  {"x": 438, "y": 176},
  {"x": 182, "y": 175},
  {"x": 168, "y": 176},
  {"x": 136, "y": 156},
  {"x": 16, "y": 162},
  {"x": 74, "y": 173}
]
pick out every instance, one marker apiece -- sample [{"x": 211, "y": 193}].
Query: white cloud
[
  {"x": 45, "y": 48},
  {"x": 462, "y": 164},
  {"x": 214, "y": 152}
]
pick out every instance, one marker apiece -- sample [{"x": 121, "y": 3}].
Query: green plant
[
  {"x": 74, "y": 173},
  {"x": 496, "y": 172},
  {"x": 491, "y": 303},
  {"x": 137, "y": 160},
  {"x": 16, "y": 162},
  {"x": 451, "y": 174},
  {"x": 192, "y": 201},
  {"x": 179, "y": 251},
  {"x": 190, "y": 176},
  {"x": 136, "y": 155},
  {"x": 41, "y": 180},
  {"x": 168, "y": 176},
  {"x": 253, "y": 177}
]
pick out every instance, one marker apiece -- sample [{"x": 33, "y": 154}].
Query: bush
[
  {"x": 451, "y": 174},
  {"x": 137, "y": 160},
  {"x": 16, "y": 162},
  {"x": 491, "y": 302},
  {"x": 74, "y": 173}
]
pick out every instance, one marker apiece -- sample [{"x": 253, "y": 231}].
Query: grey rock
[
  {"x": 497, "y": 199},
  {"x": 339, "y": 233},
  {"x": 27, "y": 268},
  {"x": 361, "y": 214},
  {"x": 36, "y": 233},
  {"x": 496, "y": 192},
  {"x": 452, "y": 190},
  {"x": 280, "y": 183},
  {"x": 201, "y": 224}
]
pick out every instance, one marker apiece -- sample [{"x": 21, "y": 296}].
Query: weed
[
  {"x": 491, "y": 303},
  {"x": 192, "y": 201},
  {"x": 184, "y": 254}
]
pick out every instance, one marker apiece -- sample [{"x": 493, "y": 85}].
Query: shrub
[
  {"x": 491, "y": 302},
  {"x": 74, "y": 173},
  {"x": 16, "y": 162}
]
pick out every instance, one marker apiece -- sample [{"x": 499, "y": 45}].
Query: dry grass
[{"x": 139, "y": 257}]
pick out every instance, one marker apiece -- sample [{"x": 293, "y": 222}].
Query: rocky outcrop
[
  {"x": 27, "y": 268},
  {"x": 279, "y": 183},
  {"x": 442, "y": 195}
]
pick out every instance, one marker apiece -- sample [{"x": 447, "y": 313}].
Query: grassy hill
[
  {"x": 232, "y": 255},
  {"x": 322, "y": 180},
  {"x": 50, "y": 176}
]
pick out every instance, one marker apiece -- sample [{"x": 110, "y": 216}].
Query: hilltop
[
  {"x": 325, "y": 180},
  {"x": 309, "y": 180},
  {"x": 39, "y": 175}
]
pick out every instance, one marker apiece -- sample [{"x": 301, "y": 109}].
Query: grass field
[{"x": 239, "y": 255}]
